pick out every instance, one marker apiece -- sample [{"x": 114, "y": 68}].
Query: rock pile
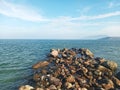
[{"x": 75, "y": 69}]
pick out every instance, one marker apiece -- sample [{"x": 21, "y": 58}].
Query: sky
[{"x": 59, "y": 19}]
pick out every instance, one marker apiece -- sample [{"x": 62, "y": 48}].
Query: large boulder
[
  {"x": 54, "y": 53},
  {"x": 40, "y": 64},
  {"x": 111, "y": 65}
]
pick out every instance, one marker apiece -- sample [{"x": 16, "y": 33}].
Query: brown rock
[
  {"x": 109, "y": 85},
  {"x": 54, "y": 53},
  {"x": 65, "y": 50},
  {"x": 76, "y": 69},
  {"x": 87, "y": 52},
  {"x": 77, "y": 85},
  {"x": 105, "y": 70},
  {"x": 83, "y": 89},
  {"x": 72, "y": 53},
  {"x": 116, "y": 81},
  {"x": 43, "y": 71},
  {"x": 97, "y": 72},
  {"x": 36, "y": 77},
  {"x": 68, "y": 85},
  {"x": 111, "y": 65},
  {"x": 102, "y": 61},
  {"x": 26, "y": 87},
  {"x": 70, "y": 79},
  {"x": 39, "y": 89},
  {"x": 55, "y": 81},
  {"x": 64, "y": 55},
  {"x": 52, "y": 87},
  {"x": 40, "y": 64},
  {"x": 85, "y": 70},
  {"x": 73, "y": 71}
]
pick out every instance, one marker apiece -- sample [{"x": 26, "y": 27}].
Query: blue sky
[{"x": 59, "y": 19}]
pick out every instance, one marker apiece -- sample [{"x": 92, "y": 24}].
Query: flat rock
[{"x": 40, "y": 64}]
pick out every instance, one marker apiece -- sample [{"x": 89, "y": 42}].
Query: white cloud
[
  {"x": 19, "y": 11},
  {"x": 111, "y": 30},
  {"x": 64, "y": 27},
  {"x": 101, "y": 16},
  {"x": 27, "y": 13}
]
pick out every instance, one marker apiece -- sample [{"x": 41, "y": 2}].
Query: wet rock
[
  {"x": 116, "y": 81},
  {"x": 26, "y": 87},
  {"x": 118, "y": 75},
  {"x": 40, "y": 64},
  {"x": 36, "y": 77}
]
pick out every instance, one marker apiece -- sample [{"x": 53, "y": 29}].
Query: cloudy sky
[{"x": 59, "y": 19}]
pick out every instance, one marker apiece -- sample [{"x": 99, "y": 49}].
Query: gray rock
[{"x": 118, "y": 75}]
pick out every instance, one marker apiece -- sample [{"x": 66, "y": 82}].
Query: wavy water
[{"x": 17, "y": 56}]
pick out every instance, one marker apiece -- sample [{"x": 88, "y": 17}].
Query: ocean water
[{"x": 18, "y": 56}]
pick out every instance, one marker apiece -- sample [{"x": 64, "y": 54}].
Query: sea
[{"x": 18, "y": 56}]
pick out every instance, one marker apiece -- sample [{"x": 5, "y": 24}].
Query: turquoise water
[{"x": 17, "y": 56}]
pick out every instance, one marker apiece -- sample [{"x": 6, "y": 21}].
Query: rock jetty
[{"x": 74, "y": 69}]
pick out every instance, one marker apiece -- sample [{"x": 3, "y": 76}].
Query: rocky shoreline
[{"x": 74, "y": 69}]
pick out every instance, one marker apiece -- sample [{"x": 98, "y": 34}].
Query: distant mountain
[{"x": 110, "y": 38}]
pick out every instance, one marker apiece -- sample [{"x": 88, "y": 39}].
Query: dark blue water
[{"x": 17, "y": 56}]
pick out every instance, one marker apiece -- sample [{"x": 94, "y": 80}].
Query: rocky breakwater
[{"x": 74, "y": 69}]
